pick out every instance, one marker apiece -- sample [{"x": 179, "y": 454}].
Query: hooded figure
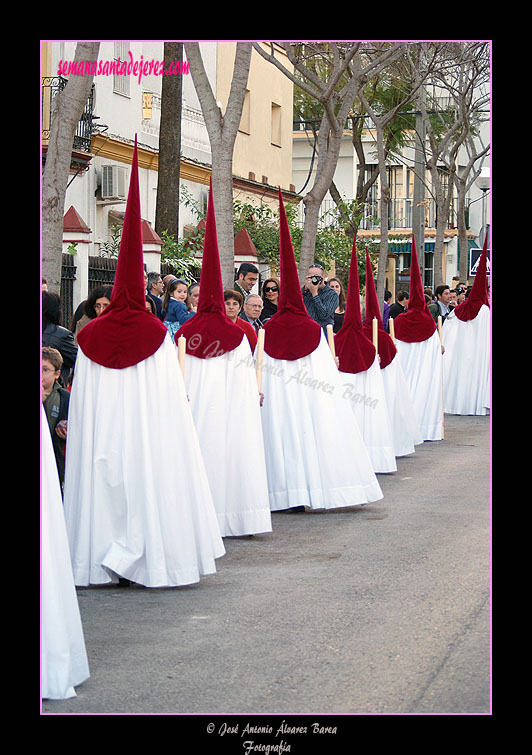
[
  {"x": 466, "y": 338},
  {"x": 418, "y": 344},
  {"x": 137, "y": 501},
  {"x": 315, "y": 455},
  {"x": 358, "y": 363},
  {"x": 221, "y": 383},
  {"x": 404, "y": 425},
  {"x": 64, "y": 662}
]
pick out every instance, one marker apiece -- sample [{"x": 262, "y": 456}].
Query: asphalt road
[{"x": 381, "y": 609}]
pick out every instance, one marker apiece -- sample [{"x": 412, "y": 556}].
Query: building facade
[
  {"x": 400, "y": 178},
  {"x": 122, "y": 106}
]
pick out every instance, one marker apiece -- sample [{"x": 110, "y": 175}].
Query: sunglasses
[{"x": 271, "y": 288}]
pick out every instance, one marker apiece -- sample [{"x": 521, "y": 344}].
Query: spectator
[
  {"x": 233, "y": 306},
  {"x": 96, "y": 302},
  {"x": 174, "y": 307},
  {"x": 253, "y": 307},
  {"x": 339, "y": 312},
  {"x": 167, "y": 280},
  {"x": 453, "y": 301},
  {"x": 441, "y": 304},
  {"x": 155, "y": 291},
  {"x": 386, "y": 308},
  {"x": 321, "y": 301},
  {"x": 399, "y": 307},
  {"x": 56, "y": 336},
  {"x": 55, "y": 401},
  {"x": 270, "y": 297},
  {"x": 246, "y": 278},
  {"x": 193, "y": 297},
  {"x": 461, "y": 293}
]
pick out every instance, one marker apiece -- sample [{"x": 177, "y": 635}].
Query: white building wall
[{"x": 122, "y": 115}]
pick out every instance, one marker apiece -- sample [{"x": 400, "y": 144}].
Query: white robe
[
  {"x": 137, "y": 499},
  {"x": 315, "y": 455},
  {"x": 224, "y": 400},
  {"x": 466, "y": 364},
  {"x": 422, "y": 366},
  {"x": 367, "y": 400},
  {"x": 405, "y": 427},
  {"x": 64, "y": 662}
]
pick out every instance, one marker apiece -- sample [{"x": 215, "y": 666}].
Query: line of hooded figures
[{"x": 314, "y": 416}]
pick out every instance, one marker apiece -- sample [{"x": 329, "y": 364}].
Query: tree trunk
[
  {"x": 167, "y": 207},
  {"x": 384, "y": 204},
  {"x": 443, "y": 203},
  {"x": 462, "y": 229},
  {"x": 329, "y": 142},
  {"x": 68, "y": 107},
  {"x": 222, "y": 129}
]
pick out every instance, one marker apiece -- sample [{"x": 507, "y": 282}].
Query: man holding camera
[{"x": 319, "y": 298}]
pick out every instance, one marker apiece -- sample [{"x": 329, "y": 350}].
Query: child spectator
[
  {"x": 174, "y": 305},
  {"x": 55, "y": 401}
]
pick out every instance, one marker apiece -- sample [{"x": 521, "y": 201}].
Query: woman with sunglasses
[
  {"x": 270, "y": 297},
  {"x": 339, "y": 312}
]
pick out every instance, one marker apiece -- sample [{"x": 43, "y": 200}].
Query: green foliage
[
  {"x": 262, "y": 224},
  {"x": 111, "y": 248},
  {"x": 333, "y": 241},
  {"x": 180, "y": 254}
]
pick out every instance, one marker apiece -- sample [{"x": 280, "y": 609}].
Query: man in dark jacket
[
  {"x": 399, "y": 307},
  {"x": 320, "y": 300}
]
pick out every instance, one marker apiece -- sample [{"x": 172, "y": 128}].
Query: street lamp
[{"x": 483, "y": 183}]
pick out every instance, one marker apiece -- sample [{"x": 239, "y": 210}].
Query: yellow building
[{"x": 262, "y": 159}]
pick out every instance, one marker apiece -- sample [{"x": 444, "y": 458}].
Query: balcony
[
  {"x": 81, "y": 146},
  {"x": 399, "y": 215}
]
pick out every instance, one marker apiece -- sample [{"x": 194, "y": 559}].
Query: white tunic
[
  {"x": 422, "y": 366},
  {"x": 315, "y": 455},
  {"x": 225, "y": 405},
  {"x": 466, "y": 364},
  {"x": 64, "y": 657},
  {"x": 405, "y": 427},
  {"x": 366, "y": 397},
  {"x": 137, "y": 498}
]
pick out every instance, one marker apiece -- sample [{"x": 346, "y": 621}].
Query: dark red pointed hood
[
  {"x": 386, "y": 346},
  {"x": 125, "y": 333},
  {"x": 478, "y": 295},
  {"x": 355, "y": 351},
  {"x": 210, "y": 333},
  {"x": 290, "y": 334},
  {"x": 416, "y": 324}
]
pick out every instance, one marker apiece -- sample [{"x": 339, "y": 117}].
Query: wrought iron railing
[{"x": 51, "y": 86}]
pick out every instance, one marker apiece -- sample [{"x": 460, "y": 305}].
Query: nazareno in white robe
[
  {"x": 421, "y": 362},
  {"x": 137, "y": 499},
  {"x": 224, "y": 400},
  {"x": 466, "y": 363},
  {"x": 405, "y": 427},
  {"x": 365, "y": 395},
  {"x": 64, "y": 662},
  {"x": 315, "y": 455}
]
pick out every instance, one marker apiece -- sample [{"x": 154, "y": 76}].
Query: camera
[{"x": 316, "y": 279}]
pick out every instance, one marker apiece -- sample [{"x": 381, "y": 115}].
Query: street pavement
[{"x": 380, "y": 609}]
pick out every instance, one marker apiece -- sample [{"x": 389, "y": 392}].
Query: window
[
  {"x": 276, "y": 125},
  {"x": 121, "y": 82}
]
